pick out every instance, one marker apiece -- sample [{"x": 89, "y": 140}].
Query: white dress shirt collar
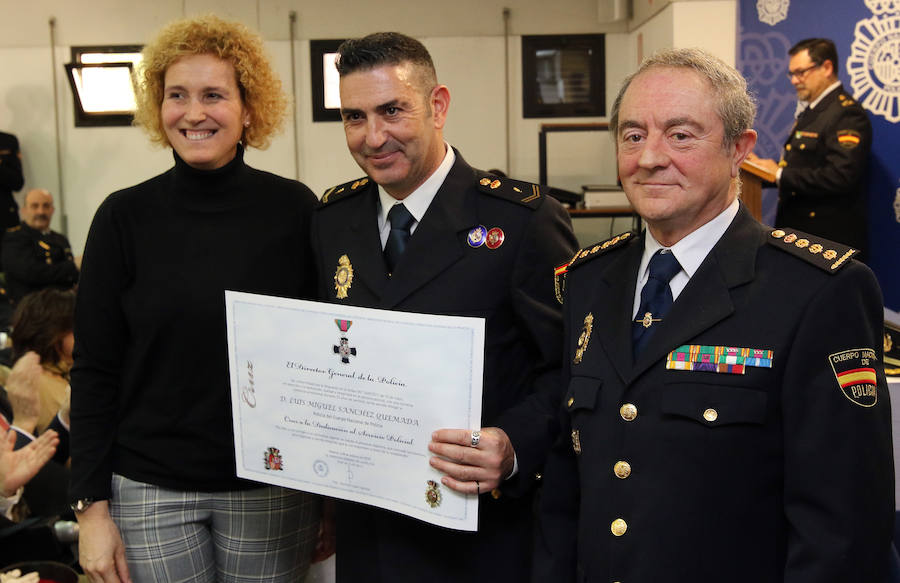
[
  {"x": 690, "y": 252},
  {"x": 802, "y": 105},
  {"x": 829, "y": 89},
  {"x": 418, "y": 200}
]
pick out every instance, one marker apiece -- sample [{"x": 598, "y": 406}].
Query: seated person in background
[
  {"x": 19, "y": 466},
  {"x": 33, "y": 256},
  {"x": 11, "y": 180},
  {"x": 32, "y": 481},
  {"x": 43, "y": 323},
  {"x": 45, "y": 494}
]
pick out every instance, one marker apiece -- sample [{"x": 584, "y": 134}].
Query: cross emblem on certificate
[{"x": 343, "y": 348}]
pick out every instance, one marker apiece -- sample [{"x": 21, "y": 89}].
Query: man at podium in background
[{"x": 822, "y": 173}]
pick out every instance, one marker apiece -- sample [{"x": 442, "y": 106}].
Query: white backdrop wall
[{"x": 465, "y": 39}]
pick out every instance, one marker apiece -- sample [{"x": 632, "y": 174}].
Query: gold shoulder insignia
[
  {"x": 846, "y": 99},
  {"x": 524, "y": 193},
  {"x": 584, "y": 255},
  {"x": 14, "y": 229},
  {"x": 824, "y": 254},
  {"x": 341, "y": 191},
  {"x": 588, "y": 253}
]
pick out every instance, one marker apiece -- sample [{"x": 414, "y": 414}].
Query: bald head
[{"x": 38, "y": 209}]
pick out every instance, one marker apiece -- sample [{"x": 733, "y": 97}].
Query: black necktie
[
  {"x": 401, "y": 220},
  {"x": 656, "y": 298}
]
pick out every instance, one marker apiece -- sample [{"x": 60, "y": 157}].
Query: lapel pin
[
  {"x": 584, "y": 338},
  {"x": 495, "y": 238},
  {"x": 343, "y": 277},
  {"x": 477, "y": 236}
]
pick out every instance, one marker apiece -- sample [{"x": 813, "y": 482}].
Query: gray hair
[{"x": 736, "y": 107}]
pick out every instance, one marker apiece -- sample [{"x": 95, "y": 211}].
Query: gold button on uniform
[
  {"x": 628, "y": 412},
  {"x": 571, "y": 401},
  {"x": 618, "y": 527},
  {"x": 622, "y": 469},
  {"x": 710, "y": 415}
]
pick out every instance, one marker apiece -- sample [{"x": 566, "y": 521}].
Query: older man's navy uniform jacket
[
  {"x": 749, "y": 442},
  {"x": 822, "y": 189},
  {"x": 34, "y": 260},
  {"x": 511, "y": 286}
]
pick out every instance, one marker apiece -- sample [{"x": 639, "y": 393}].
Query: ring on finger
[{"x": 476, "y": 437}]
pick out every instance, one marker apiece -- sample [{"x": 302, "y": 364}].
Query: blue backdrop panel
[{"x": 867, "y": 35}]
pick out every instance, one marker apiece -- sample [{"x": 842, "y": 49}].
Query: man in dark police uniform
[
  {"x": 479, "y": 246},
  {"x": 822, "y": 173},
  {"x": 11, "y": 180},
  {"x": 34, "y": 256},
  {"x": 726, "y": 415}
]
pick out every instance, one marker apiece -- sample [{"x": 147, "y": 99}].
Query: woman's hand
[{"x": 101, "y": 551}]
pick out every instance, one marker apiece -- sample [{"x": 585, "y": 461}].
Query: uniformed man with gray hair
[{"x": 726, "y": 415}]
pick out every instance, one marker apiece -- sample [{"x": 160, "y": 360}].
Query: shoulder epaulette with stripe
[
  {"x": 824, "y": 254},
  {"x": 524, "y": 193},
  {"x": 341, "y": 191},
  {"x": 583, "y": 256},
  {"x": 13, "y": 229}
]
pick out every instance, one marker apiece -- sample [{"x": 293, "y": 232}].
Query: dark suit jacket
[
  {"x": 11, "y": 179},
  {"x": 512, "y": 288},
  {"x": 774, "y": 475},
  {"x": 823, "y": 184}
]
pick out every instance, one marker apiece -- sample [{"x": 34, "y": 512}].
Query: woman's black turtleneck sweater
[{"x": 150, "y": 384}]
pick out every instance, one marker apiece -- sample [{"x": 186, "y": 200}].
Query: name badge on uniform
[{"x": 718, "y": 359}]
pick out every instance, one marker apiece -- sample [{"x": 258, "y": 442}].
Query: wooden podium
[{"x": 752, "y": 179}]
